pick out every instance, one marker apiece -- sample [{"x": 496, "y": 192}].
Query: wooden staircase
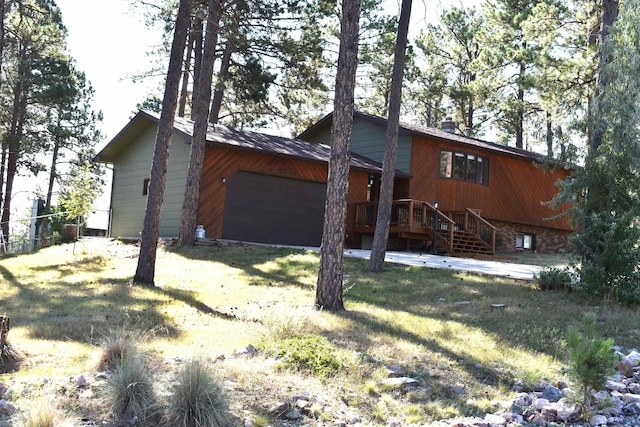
[
  {"x": 461, "y": 232},
  {"x": 465, "y": 242}
]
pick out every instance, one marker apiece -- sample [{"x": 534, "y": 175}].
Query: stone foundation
[{"x": 545, "y": 240}]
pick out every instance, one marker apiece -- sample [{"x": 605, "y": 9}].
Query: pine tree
[{"x": 329, "y": 284}]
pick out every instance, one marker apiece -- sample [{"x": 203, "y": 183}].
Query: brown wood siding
[
  {"x": 514, "y": 194},
  {"x": 222, "y": 162}
]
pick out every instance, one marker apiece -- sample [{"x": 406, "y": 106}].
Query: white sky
[{"x": 110, "y": 41}]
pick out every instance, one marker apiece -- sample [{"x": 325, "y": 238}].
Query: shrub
[
  {"x": 310, "y": 353},
  {"x": 553, "y": 279},
  {"x": 197, "y": 398},
  {"x": 280, "y": 325},
  {"x": 129, "y": 388},
  {"x": 592, "y": 357}
]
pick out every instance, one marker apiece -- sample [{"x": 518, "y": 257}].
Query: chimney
[{"x": 448, "y": 125}]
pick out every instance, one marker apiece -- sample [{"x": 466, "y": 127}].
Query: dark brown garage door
[{"x": 272, "y": 209}]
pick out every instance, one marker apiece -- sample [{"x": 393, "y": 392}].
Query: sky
[{"x": 110, "y": 43}]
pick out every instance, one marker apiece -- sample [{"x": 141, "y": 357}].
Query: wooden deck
[{"x": 456, "y": 232}]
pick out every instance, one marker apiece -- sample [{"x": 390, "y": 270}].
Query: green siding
[
  {"x": 131, "y": 168},
  {"x": 368, "y": 140}
]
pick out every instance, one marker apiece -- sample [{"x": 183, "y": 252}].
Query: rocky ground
[{"x": 547, "y": 405}]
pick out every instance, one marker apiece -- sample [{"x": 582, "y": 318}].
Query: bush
[
  {"x": 554, "y": 279},
  {"x": 197, "y": 398},
  {"x": 592, "y": 357},
  {"x": 129, "y": 388},
  {"x": 310, "y": 353}
]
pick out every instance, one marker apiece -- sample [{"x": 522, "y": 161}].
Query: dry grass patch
[{"x": 440, "y": 327}]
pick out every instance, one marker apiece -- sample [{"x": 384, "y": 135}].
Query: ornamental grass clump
[
  {"x": 592, "y": 357},
  {"x": 129, "y": 388},
  {"x": 197, "y": 398},
  {"x": 43, "y": 413}
]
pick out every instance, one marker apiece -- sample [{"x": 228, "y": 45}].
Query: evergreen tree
[
  {"x": 145, "y": 270},
  {"x": 603, "y": 194},
  {"x": 34, "y": 61},
  {"x": 381, "y": 236},
  {"x": 330, "y": 273}
]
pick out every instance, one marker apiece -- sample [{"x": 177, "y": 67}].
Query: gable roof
[
  {"x": 236, "y": 138},
  {"x": 417, "y": 130}
]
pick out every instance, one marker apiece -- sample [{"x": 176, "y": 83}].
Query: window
[
  {"x": 145, "y": 187},
  {"x": 525, "y": 242},
  {"x": 464, "y": 167}
]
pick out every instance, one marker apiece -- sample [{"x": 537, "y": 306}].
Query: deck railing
[
  {"x": 414, "y": 216},
  {"x": 471, "y": 221}
]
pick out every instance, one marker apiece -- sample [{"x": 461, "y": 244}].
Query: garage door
[{"x": 271, "y": 209}]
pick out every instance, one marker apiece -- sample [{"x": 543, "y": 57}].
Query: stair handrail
[
  {"x": 443, "y": 219},
  {"x": 476, "y": 232}
]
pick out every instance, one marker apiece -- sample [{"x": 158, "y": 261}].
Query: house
[
  {"x": 270, "y": 189},
  {"x": 254, "y": 187},
  {"x": 490, "y": 197}
]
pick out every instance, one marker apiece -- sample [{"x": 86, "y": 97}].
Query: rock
[
  {"x": 523, "y": 399},
  {"x": 279, "y": 410},
  {"x": 81, "y": 382},
  {"x": 630, "y": 397},
  {"x": 632, "y": 408},
  {"x": 598, "y": 420},
  {"x": 301, "y": 403},
  {"x": 625, "y": 367},
  {"x": 393, "y": 422},
  {"x": 540, "y": 404},
  {"x": 552, "y": 394},
  {"x": 354, "y": 420},
  {"x": 568, "y": 412},
  {"x": 394, "y": 370},
  {"x": 249, "y": 351},
  {"x": 294, "y": 415},
  {"x": 397, "y": 381},
  {"x": 462, "y": 302},
  {"x": 634, "y": 356},
  {"x": 7, "y": 408},
  {"x": 494, "y": 420},
  {"x": 615, "y": 386},
  {"x": 457, "y": 388}
]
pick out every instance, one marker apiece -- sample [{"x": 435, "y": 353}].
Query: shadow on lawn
[
  {"x": 466, "y": 362},
  {"x": 248, "y": 259},
  {"x": 68, "y": 311}
]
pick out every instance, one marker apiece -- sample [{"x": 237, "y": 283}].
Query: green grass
[{"x": 216, "y": 300}]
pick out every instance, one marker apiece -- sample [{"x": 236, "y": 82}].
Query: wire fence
[{"x": 25, "y": 236}]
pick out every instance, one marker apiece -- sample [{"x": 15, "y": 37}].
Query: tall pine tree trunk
[
  {"x": 520, "y": 112},
  {"x": 145, "y": 271},
  {"x": 201, "y": 123},
  {"x": 381, "y": 236},
  {"x": 184, "y": 92},
  {"x": 329, "y": 285},
  {"x": 610, "y": 9},
  {"x": 223, "y": 75},
  {"x": 197, "y": 60}
]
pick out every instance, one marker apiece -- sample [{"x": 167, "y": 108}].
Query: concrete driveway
[{"x": 496, "y": 268}]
